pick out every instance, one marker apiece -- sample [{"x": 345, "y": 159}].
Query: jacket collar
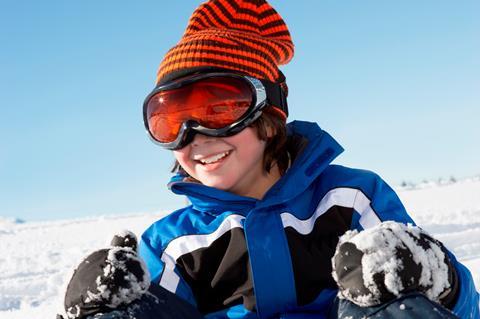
[{"x": 319, "y": 152}]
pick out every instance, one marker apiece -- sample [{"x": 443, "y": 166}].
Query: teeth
[{"x": 214, "y": 158}]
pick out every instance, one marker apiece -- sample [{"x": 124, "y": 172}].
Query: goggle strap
[{"x": 276, "y": 95}]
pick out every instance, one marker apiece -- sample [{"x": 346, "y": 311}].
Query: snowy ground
[{"x": 37, "y": 257}]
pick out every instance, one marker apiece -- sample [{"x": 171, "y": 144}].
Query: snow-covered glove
[
  {"x": 107, "y": 279},
  {"x": 379, "y": 264}
]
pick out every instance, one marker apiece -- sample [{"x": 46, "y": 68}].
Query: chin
[{"x": 222, "y": 185}]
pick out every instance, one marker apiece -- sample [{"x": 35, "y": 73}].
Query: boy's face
[{"x": 233, "y": 163}]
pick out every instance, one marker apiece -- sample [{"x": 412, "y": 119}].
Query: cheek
[
  {"x": 247, "y": 140},
  {"x": 182, "y": 157}
]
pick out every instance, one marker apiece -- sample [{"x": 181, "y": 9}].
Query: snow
[
  {"x": 452, "y": 214},
  {"x": 37, "y": 258}
]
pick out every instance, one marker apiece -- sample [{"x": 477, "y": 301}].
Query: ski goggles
[{"x": 214, "y": 104}]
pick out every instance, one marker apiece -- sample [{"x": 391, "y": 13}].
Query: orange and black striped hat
[{"x": 246, "y": 36}]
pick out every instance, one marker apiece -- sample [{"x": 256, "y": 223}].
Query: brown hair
[{"x": 276, "y": 148}]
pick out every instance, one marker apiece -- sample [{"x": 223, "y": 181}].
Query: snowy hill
[{"x": 37, "y": 257}]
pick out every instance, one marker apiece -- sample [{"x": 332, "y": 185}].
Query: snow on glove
[
  {"x": 379, "y": 264},
  {"x": 107, "y": 279}
]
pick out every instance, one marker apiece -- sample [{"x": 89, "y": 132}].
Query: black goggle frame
[{"x": 265, "y": 93}]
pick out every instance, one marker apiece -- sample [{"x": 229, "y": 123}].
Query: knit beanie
[{"x": 246, "y": 36}]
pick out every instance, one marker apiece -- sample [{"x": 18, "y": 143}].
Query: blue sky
[{"x": 396, "y": 83}]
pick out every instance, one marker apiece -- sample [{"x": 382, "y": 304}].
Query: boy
[
  {"x": 268, "y": 208},
  {"x": 259, "y": 239}
]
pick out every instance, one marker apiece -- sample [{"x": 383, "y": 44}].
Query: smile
[{"x": 214, "y": 158}]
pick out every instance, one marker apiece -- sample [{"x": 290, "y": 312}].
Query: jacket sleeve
[
  {"x": 162, "y": 268},
  {"x": 468, "y": 303},
  {"x": 376, "y": 202},
  {"x": 379, "y": 202}
]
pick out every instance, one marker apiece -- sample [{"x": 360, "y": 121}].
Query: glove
[
  {"x": 382, "y": 263},
  {"x": 114, "y": 283},
  {"x": 107, "y": 279}
]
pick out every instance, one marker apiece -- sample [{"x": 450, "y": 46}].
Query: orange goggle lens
[{"x": 211, "y": 102}]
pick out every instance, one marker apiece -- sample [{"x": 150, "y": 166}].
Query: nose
[{"x": 200, "y": 139}]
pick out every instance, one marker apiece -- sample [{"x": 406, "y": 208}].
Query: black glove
[
  {"x": 114, "y": 283},
  {"x": 379, "y": 264},
  {"x": 107, "y": 279}
]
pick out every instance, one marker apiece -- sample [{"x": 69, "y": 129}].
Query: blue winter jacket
[{"x": 239, "y": 257}]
